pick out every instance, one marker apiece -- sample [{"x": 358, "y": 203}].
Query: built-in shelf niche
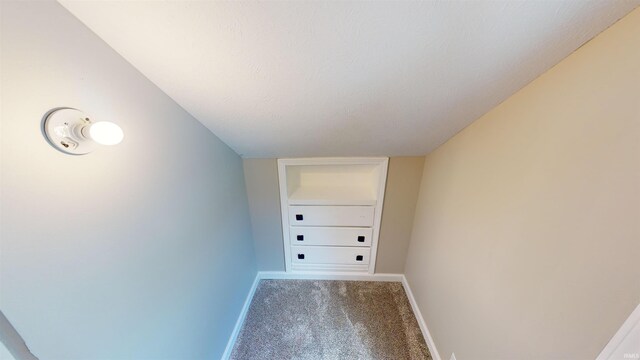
[
  {"x": 335, "y": 184},
  {"x": 331, "y": 212}
]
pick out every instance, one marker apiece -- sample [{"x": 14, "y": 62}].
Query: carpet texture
[{"x": 312, "y": 320}]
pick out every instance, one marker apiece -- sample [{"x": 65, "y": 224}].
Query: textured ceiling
[{"x": 343, "y": 78}]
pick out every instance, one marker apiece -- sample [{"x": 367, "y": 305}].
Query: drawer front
[
  {"x": 330, "y": 255},
  {"x": 331, "y": 236},
  {"x": 331, "y": 215}
]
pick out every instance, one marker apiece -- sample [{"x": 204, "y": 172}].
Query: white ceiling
[{"x": 343, "y": 78}]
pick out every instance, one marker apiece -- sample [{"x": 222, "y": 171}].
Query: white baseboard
[
  {"x": 620, "y": 342},
  {"x": 241, "y": 317},
  {"x": 423, "y": 325},
  {"x": 313, "y": 275}
]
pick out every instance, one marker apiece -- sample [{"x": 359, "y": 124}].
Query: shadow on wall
[{"x": 13, "y": 342}]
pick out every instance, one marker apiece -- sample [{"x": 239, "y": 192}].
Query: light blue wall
[{"x": 138, "y": 251}]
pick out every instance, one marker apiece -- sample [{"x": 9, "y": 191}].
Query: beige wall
[
  {"x": 403, "y": 180},
  {"x": 401, "y": 195},
  {"x": 527, "y": 232}
]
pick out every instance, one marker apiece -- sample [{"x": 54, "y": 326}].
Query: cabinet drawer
[
  {"x": 331, "y": 215},
  {"x": 332, "y": 236},
  {"x": 330, "y": 255}
]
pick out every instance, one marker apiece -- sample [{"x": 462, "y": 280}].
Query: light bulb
[{"x": 105, "y": 133}]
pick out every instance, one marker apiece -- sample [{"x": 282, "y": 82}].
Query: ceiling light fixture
[{"x": 73, "y": 132}]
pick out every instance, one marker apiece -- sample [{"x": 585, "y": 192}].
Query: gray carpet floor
[{"x": 313, "y": 320}]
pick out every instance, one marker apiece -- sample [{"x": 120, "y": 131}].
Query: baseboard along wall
[
  {"x": 423, "y": 325},
  {"x": 243, "y": 314}
]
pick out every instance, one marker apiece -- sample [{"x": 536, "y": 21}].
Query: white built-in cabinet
[{"x": 331, "y": 212}]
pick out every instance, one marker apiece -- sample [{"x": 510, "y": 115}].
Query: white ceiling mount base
[{"x": 63, "y": 130}]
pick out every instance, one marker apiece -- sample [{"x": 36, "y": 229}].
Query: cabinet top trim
[{"x": 333, "y": 161}]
